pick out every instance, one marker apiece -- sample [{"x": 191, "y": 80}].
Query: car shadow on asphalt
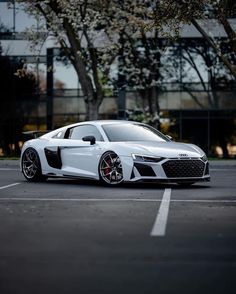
[{"x": 136, "y": 185}]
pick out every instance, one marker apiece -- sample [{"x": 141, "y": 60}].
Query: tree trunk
[
  {"x": 150, "y": 99},
  {"x": 154, "y": 107},
  {"x": 223, "y": 145},
  {"x": 91, "y": 86},
  {"x": 92, "y": 96},
  {"x": 92, "y": 110}
]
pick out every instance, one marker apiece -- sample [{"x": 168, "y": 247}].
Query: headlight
[
  {"x": 144, "y": 158},
  {"x": 204, "y": 158}
]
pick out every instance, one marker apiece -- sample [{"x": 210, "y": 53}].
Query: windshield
[{"x": 132, "y": 132}]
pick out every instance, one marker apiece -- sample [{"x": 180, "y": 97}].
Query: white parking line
[
  {"x": 113, "y": 200},
  {"x": 159, "y": 227},
  {"x": 8, "y": 186},
  {"x": 78, "y": 199}
]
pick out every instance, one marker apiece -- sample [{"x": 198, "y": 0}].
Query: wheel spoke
[
  {"x": 111, "y": 175},
  {"x": 118, "y": 173},
  {"x": 111, "y": 158},
  {"x": 116, "y": 159},
  {"x": 115, "y": 172},
  {"x": 107, "y": 165},
  {"x": 28, "y": 157}
]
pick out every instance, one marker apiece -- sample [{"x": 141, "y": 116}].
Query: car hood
[{"x": 163, "y": 149}]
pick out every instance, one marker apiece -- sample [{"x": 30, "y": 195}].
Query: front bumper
[{"x": 176, "y": 170}]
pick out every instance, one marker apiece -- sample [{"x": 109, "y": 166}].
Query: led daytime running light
[{"x": 144, "y": 158}]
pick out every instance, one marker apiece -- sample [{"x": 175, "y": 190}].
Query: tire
[
  {"x": 31, "y": 166},
  {"x": 110, "y": 169}
]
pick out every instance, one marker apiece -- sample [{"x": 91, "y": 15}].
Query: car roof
[
  {"x": 93, "y": 122},
  {"x": 104, "y": 122}
]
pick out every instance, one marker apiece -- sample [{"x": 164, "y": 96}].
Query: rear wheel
[
  {"x": 110, "y": 169},
  {"x": 31, "y": 166}
]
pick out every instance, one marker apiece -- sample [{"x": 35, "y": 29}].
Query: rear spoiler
[{"x": 35, "y": 134}]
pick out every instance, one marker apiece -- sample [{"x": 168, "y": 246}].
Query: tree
[
  {"x": 140, "y": 65},
  {"x": 139, "y": 57},
  {"x": 195, "y": 54},
  {"x": 88, "y": 32},
  {"x": 75, "y": 25},
  {"x": 178, "y": 12}
]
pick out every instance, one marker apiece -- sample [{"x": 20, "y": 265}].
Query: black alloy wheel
[
  {"x": 110, "y": 169},
  {"x": 31, "y": 166}
]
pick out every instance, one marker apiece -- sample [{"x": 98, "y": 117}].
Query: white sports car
[{"x": 113, "y": 152}]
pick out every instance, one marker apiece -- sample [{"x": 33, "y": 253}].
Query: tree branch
[
  {"x": 75, "y": 56},
  {"x": 193, "y": 97},
  {"x": 209, "y": 40},
  {"x": 93, "y": 57}
]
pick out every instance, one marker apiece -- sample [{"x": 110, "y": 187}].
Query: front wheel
[
  {"x": 31, "y": 166},
  {"x": 110, "y": 169}
]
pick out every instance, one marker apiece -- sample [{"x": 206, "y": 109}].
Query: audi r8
[{"x": 113, "y": 152}]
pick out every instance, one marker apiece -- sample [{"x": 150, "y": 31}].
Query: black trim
[
  {"x": 207, "y": 169},
  {"x": 53, "y": 156},
  {"x": 132, "y": 174},
  {"x": 90, "y": 139},
  {"x": 144, "y": 170},
  {"x": 192, "y": 180}
]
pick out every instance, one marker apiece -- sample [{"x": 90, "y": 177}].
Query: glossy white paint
[{"x": 81, "y": 159}]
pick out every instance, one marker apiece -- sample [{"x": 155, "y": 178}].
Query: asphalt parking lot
[{"x": 67, "y": 236}]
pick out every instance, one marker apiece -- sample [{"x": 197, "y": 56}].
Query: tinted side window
[
  {"x": 132, "y": 132},
  {"x": 79, "y": 132}
]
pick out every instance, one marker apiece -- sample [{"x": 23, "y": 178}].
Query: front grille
[{"x": 183, "y": 168}]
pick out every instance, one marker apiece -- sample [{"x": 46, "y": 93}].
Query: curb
[
  {"x": 222, "y": 163},
  {"x": 10, "y": 163}
]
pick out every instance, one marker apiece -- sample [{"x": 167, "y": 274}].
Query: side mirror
[
  {"x": 90, "y": 139},
  {"x": 169, "y": 137}
]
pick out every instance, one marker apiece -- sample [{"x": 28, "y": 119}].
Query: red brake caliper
[{"x": 107, "y": 170}]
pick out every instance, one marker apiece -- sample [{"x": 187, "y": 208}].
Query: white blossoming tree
[
  {"x": 140, "y": 62},
  {"x": 88, "y": 31},
  {"x": 85, "y": 32},
  {"x": 139, "y": 59}
]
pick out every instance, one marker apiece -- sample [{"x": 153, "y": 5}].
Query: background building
[{"x": 196, "y": 94}]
